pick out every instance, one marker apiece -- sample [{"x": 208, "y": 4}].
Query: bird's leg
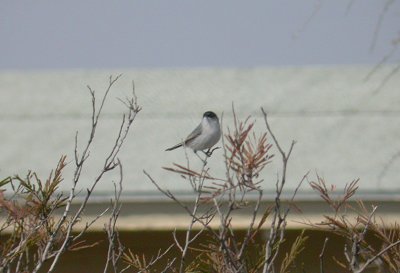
[{"x": 203, "y": 160}]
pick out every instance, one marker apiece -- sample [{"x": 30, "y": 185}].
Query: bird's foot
[{"x": 210, "y": 152}]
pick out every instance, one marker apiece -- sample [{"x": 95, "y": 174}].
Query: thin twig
[
  {"x": 321, "y": 256},
  {"x": 111, "y": 161},
  {"x": 380, "y": 253}
]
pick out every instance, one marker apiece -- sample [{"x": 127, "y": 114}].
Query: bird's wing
[{"x": 196, "y": 132}]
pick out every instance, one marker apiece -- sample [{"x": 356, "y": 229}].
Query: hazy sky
[{"x": 188, "y": 33}]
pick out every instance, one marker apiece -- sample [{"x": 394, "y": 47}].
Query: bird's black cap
[{"x": 209, "y": 114}]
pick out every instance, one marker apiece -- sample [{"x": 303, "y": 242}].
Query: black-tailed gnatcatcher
[{"x": 206, "y": 135}]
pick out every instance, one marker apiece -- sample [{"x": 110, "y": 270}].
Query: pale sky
[{"x": 93, "y": 34}]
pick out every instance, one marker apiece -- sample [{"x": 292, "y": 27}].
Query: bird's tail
[{"x": 174, "y": 147}]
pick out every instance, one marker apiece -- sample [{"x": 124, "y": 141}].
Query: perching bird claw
[{"x": 210, "y": 151}]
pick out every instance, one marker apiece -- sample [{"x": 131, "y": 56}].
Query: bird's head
[{"x": 210, "y": 115}]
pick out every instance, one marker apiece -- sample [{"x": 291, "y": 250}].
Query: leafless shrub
[
  {"x": 28, "y": 216},
  {"x": 359, "y": 253},
  {"x": 246, "y": 153},
  {"x": 37, "y": 234}
]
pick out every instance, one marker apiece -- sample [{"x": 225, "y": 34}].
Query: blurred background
[{"x": 325, "y": 71}]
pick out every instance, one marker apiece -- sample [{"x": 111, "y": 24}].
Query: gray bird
[{"x": 206, "y": 135}]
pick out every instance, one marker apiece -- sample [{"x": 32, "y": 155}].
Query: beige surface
[
  {"x": 165, "y": 222},
  {"x": 147, "y": 215}
]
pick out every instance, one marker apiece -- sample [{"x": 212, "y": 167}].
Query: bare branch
[
  {"x": 278, "y": 223},
  {"x": 66, "y": 223},
  {"x": 321, "y": 256},
  {"x": 372, "y": 259}
]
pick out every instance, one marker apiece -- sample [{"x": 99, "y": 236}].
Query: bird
[{"x": 204, "y": 136}]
